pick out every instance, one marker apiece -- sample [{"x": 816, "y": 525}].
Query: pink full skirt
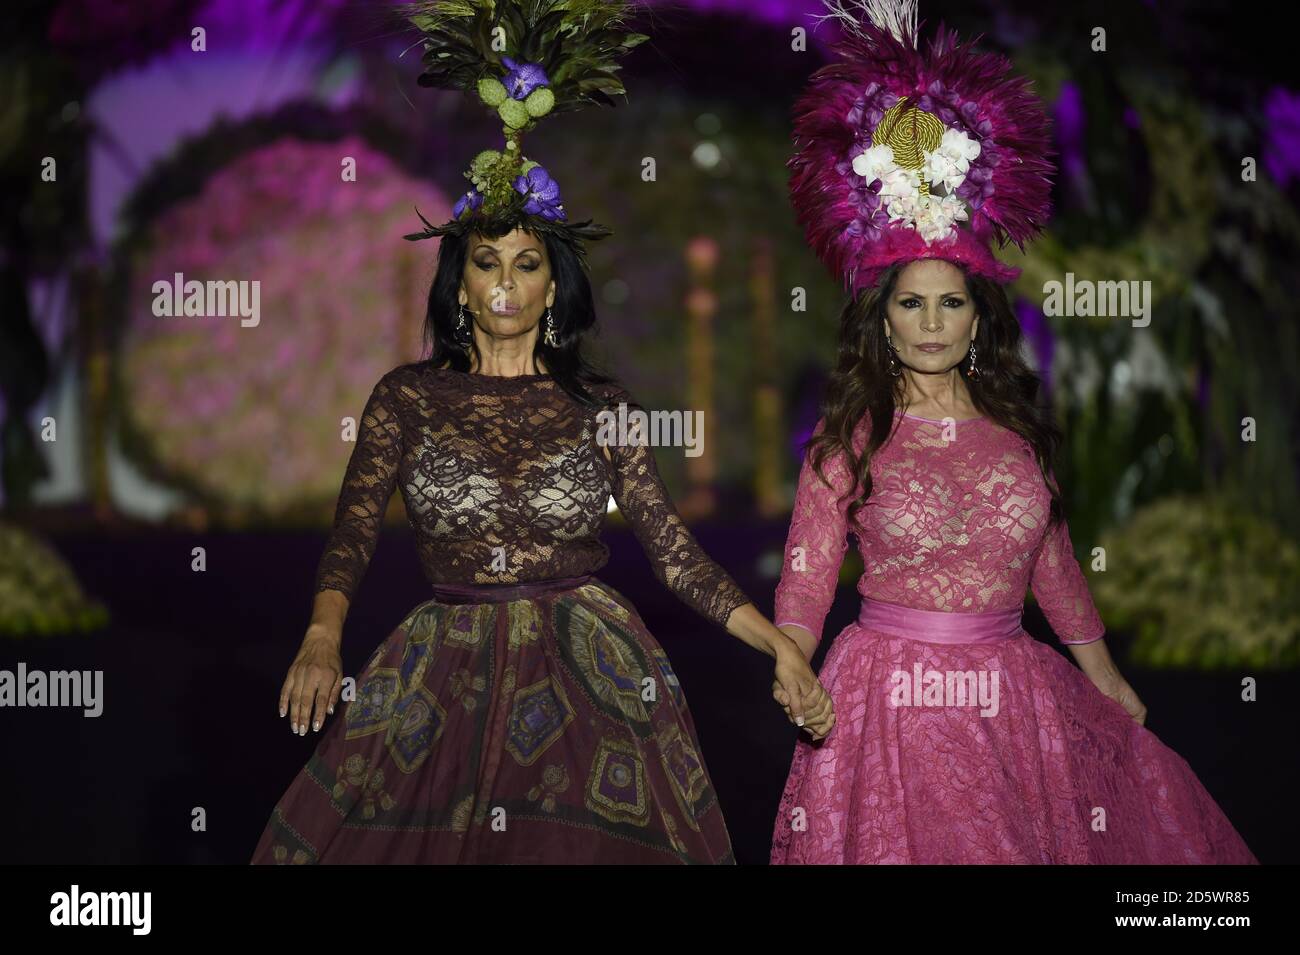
[{"x": 1059, "y": 774}]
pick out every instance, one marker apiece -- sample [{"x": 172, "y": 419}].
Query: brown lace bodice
[{"x": 504, "y": 482}]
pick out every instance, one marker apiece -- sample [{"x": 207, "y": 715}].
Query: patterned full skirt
[{"x": 547, "y": 728}]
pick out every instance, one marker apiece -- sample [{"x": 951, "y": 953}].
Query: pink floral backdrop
[{"x": 250, "y": 416}]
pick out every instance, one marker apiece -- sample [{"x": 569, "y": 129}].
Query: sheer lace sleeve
[
  {"x": 1062, "y": 591},
  {"x": 815, "y": 545},
  {"x": 368, "y": 483},
  {"x": 678, "y": 560}
]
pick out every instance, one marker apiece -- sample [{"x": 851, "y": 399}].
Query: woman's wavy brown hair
[{"x": 1006, "y": 391}]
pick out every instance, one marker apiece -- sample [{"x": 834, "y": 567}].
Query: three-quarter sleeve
[
  {"x": 815, "y": 544},
  {"x": 1060, "y": 588},
  {"x": 367, "y": 486},
  {"x": 678, "y": 561}
]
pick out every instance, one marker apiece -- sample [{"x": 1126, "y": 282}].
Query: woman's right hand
[
  {"x": 315, "y": 679},
  {"x": 801, "y": 694}
]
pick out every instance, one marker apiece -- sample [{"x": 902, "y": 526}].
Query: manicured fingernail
[
  {"x": 799, "y": 720},
  {"x": 293, "y": 726},
  {"x": 316, "y": 726},
  {"x": 283, "y": 711}
]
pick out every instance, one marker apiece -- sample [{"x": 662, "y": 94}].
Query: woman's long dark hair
[
  {"x": 573, "y": 315},
  {"x": 1006, "y": 391}
]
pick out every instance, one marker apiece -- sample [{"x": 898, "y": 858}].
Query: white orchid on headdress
[
  {"x": 905, "y": 202},
  {"x": 972, "y": 133},
  {"x": 951, "y": 161}
]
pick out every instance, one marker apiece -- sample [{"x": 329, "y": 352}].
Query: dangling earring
[
  {"x": 895, "y": 366},
  {"x": 463, "y": 334},
  {"x": 972, "y": 372},
  {"x": 549, "y": 338}
]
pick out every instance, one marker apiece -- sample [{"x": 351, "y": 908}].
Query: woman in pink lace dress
[{"x": 959, "y": 738}]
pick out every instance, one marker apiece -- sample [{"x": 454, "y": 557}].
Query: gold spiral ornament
[{"x": 910, "y": 133}]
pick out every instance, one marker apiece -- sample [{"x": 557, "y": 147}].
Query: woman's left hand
[{"x": 1117, "y": 688}]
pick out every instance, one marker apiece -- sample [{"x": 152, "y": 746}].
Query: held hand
[
  {"x": 315, "y": 679},
  {"x": 818, "y": 710},
  {"x": 801, "y": 695},
  {"x": 1117, "y": 688}
]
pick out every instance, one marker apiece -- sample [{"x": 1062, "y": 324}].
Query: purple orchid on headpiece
[
  {"x": 473, "y": 199},
  {"x": 523, "y": 78},
  {"x": 542, "y": 194}
]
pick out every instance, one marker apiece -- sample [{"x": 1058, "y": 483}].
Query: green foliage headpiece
[{"x": 524, "y": 60}]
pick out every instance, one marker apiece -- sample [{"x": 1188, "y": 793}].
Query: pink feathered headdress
[{"x": 905, "y": 155}]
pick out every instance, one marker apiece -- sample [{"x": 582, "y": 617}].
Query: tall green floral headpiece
[{"x": 524, "y": 60}]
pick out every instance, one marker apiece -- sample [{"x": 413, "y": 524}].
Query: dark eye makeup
[
  {"x": 528, "y": 265},
  {"x": 951, "y": 301}
]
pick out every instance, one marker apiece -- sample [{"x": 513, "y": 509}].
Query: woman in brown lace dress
[{"x": 524, "y": 714}]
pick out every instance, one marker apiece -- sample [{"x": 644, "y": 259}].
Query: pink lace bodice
[
  {"x": 957, "y": 521},
  {"x": 504, "y": 481}
]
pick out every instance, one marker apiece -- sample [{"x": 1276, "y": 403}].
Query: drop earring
[
  {"x": 895, "y": 366},
  {"x": 463, "y": 334},
  {"x": 549, "y": 337},
  {"x": 973, "y": 371}
]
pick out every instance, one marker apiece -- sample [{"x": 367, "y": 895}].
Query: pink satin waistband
[{"x": 938, "y": 626}]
